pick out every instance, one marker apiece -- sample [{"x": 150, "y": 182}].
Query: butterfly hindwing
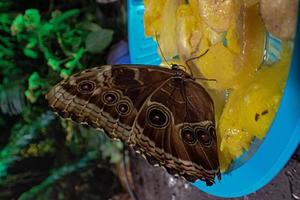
[{"x": 176, "y": 128}]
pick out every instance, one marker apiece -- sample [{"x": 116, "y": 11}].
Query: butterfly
[{"x": 163, "y": 114}]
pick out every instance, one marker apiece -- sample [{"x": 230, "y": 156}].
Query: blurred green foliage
[{"x": 41, "y": 155}]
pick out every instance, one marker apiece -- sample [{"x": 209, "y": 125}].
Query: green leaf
[
  {"x": 32, "y": 96},
  {"x": 64, "y": 73},
  {"x": 32, "y": 19},
  {"x": 90, "y": 26},
  {"x": 30, "y": 53},
  {"x": 22, "y": 135},
  {"x": 97, "y": 41},
  {"x": 54, "y": 64},
  {"x": 11, "y": 98},
  {"x": 76, "y": 58},
  {"x": 72, "y": 40},
  {"x": 112, "y": 150},
  {"x": 59, "y": 17},
  {"x": 35, "y": 81},
  {"x": 17, "y": 25}
]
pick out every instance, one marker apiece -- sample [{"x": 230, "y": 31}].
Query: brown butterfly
[{"x": 162, "y": 113}]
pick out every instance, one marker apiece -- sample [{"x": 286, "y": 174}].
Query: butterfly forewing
[
  {"x": 105, "y": 97},
  {"x": 162, "y": 113}
]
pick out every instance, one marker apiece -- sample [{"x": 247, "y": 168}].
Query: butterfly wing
[
  {"x": 169, "y": 121},
  {"x": 175, "y": 128},
  {"x": 106, "y": 97}
]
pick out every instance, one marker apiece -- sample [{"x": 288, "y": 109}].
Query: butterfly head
[{"x": 180, "y": 71}]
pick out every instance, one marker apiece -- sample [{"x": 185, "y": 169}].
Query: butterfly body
[{"x": 162, "y": 113}]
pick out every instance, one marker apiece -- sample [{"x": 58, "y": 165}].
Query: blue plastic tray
[
  {"x": 279, "y": 143},
  {"x": 142, "y": 49}
]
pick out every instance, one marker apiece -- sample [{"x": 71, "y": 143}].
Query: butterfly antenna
[
  {"x": 164, "y": 58},
  {"x": 160, "y": 50},
  {"x": 194, "y": 58},
  {"x": 206, "y": 79}
]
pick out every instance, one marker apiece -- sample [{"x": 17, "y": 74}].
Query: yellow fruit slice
[
  {"x": 152, "y": 15},
  {"x": 218, "y": 14},
  {"x": 167, "y": 31},
  {"x": 249, "y": 3},
  {"x": 221, "y": 64},
  {"x": 188, "y": 31},
  {"x": 213, "y": 36},
  {"x": 236, "y": 63},
  {"x": 253, "y": 45},
  {"x": 235, "y": 34},
  {"x": 189, "y": 34},
  {"x": 208, "y": 32},
  {"x": 251, "y": 108}
]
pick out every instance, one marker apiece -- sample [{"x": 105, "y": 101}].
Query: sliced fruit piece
[
  {"x": 218, "y": 14},
  {"x": 249, "y": 3},
  {"x": 188, "y": 31},
  {"x": 280, "y": 17},
  {"x": 152, "y": 15},
  {"x": 219, "y": 63},
  {"x": 251, "y": 108},
  {"x": 237, "y": 139},
  {"x": 213, "y": 36},
  {"x": 253, "y": 46},
  {"x": 235, "y": 33},
  {"x": 236, "y": 63},
  {"x": 167, "y": 30}
]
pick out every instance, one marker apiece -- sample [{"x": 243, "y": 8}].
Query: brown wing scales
[
  {"x": 158, "y": 130},
  {"x": 81, "y": 97},
  {"x": 169, "y": 119}
]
